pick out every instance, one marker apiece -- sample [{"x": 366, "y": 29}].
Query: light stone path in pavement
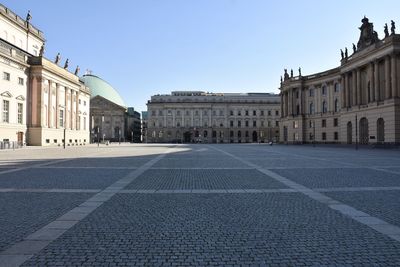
[{"x": 199, "y": 205}]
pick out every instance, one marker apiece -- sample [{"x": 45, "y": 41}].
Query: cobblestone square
[{"x": 199, "y": 205}]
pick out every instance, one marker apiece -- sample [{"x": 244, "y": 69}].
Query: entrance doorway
[
  {"x": 380, "y": 130},
  {"x": 349, "y": 133},
  {"x": 364, "y": 131},
  {"x": 20, "y": 138},
  {"x": 187, "y": 137},
  {"x": 255, "y": 137}
]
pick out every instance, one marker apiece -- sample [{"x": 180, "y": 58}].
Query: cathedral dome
[{"x": 100, "y": 87}]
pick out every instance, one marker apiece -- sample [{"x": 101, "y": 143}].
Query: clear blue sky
[{"x": 149, "y": 47}]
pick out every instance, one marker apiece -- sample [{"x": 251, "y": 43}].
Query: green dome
[{"x": 100, "y": 87}]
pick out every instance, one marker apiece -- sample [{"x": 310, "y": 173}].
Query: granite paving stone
[
  {"x": 218, "y": 229},
  {"x": 25, "y": 213},
  {"x": 204, "y": 179}
]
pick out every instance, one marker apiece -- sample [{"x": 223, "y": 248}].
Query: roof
[{"x": 100, "y": 87}]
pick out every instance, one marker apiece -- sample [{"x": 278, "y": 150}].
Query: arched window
[
  {"x": 239, "y": 134},
  {"x": 337, "y": 108},
  {"x": 324, "y": 107},
  {"x": 311, "y": 108}
]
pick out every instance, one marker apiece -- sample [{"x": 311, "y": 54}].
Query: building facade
[
  {"x": 41, "y": 103},
  {"x": 196, "y": 116},
  {"x": 357, "y": 102}
]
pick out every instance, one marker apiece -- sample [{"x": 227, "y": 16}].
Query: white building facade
[{"x": 196, "y": 116}]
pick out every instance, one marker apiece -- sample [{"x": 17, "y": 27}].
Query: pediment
[
  {"x": 20, "y": 97},
  {"x": 6, "y": 94}
]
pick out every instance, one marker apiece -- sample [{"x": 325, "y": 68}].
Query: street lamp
[{"x": 119, "y": 136}]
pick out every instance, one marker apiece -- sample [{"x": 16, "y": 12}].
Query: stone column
[
  {"x": 49, "y": 106},
  {"x": 78, "y": 121},
  {"x": 354, "y": 88},
  {"x": 282, "y": 113},
  {"x": 359, "y": 94},
  {"x": 377, "y": 96},
  {"x": 348, "y": 92},
  {"x": 66, "y": 108},
  {"x": 57, "y": 104},
  {"x": 342, "y": 92},
  {"x": 301, "y": 100},
  {"x": 372, "y": 83},
  {"x": 73, "y": 119},
  {"x": 387, "y": 78},
  {"x": 394, "y": 76},
  {"x": 290, "y": 96}
]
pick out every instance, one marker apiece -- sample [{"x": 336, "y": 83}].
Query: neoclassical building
[
  {"x": 41, "y": 102},
  {"x": 110, "y": 119},
  {"x": 196, "y": 116},
  {"x": 355, "y": 102}
]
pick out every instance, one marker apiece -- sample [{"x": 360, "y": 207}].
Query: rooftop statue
[
  {"x": 354, "y": 48},
  {"x": 393, "y": 27},
  {"x": 77, "y": 70},
  {"x": 299, "y": 71},
  {"x": 66, "y": 64},
  {"x": 367, "y": 36},
  {"x": 286, "y": 75},
  {"x": 291, "y": 73},
  {"x": 341, "y": 53},
  {"x": 346, "y": 55},
  {"x": 41, "y": 52},
  {"x": 385, "y": 29},
  {"x": 28, "y": 16},
  {"x": 58, "y": 58}
]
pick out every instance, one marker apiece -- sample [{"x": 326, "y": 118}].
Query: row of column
[
  {"x": 71, "y": 107},
  {"x": 376, "y": 87}
]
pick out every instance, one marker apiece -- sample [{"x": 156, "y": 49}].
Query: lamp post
[
  {"x": 65, "y": 134},
  {"x": 119, "y": 136},
  {"x": 98, "y": 136}
]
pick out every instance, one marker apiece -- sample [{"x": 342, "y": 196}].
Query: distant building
[
  {"x": 355, "y": 102},
  {"x": 144, "y": 126},
  {"x": 40, "y": 102},
  {"x": 110, "y": 119},
  {"x": 196, "y": 116},
  {"x": 133, "y": 131}
]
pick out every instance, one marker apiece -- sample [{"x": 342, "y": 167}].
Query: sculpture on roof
[
  {"x": 77, "y": 70},
  {"x": 41, "y": 51},
  {"x": 354, "y": 48},
  {"x": 393, "y": 27},
  {"x": 299, "y": 71},
  {"x": 346, "y": 55},
  {"x": 367, "y": 36},
  {"x": 66, "y": 64},
  {"x": 58, "y": 58},
  {"x": 28, "y": 16},
  {"x": 291, "y": 73},
  {"x": 341, "y": 53},
  {"x": 286, "y": 75},
  {"x": 385, "y": 30}
]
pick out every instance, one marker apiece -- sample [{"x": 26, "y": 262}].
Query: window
[
  {"x": 324, "y": 107},
  {"x": 277, "y": 123},
  {"x": 61, "y": 118},
  {"x": 337, "y": 105},
  {"x": 20, "y": 81},
  {"x": 254, "y": 113},
  {"x": 262, "y": 123},
  {"x": 295, "y": 124},
  {"x": 269, "y": 112},
  {"x": 335, "y": 122},
  {"x": 311, "y": 92},
  {"x": 196, "y": 113},
  {"x": 231, "y": 134},
  {"x": 246, "y": 134},
  {"x": 323, "y": 89},
  {"x": 247, "y": 123},
  {"x": 239, "y": 113},
  {"x": 324, "y": 136},
  {"x": 20, "y": 112},
  {"x": 262, "y": 112},
  {"x": 6, "y": 111},
  {"x": 80, "y": 101},
  {"x": 160, "y": 113},
  {"x": 239, "y": 123},
  {"x": 84, "y": 123},
  {"x": 254, "y": 123},
  {"x": 323, "y": 123},
  {"x": 6, "y": 76},
  {"x": 214, "y": 112},
  {"x": 84, "y": 102},
  {"x": 178, "y": 112},
  {"x": 169, "y": 112},
  {"x": 187, "y": 112},
  {"x": 277, "y": 112},
  {"x": 231, "y": 123},
  {"x": 336, "y": 135},
  {"x": 311, "y": 108},
  {"x": 247, "y": 113},
  {"x": 231, "y": 112},
  {"x": 337, "y": 87},
  {"x": 297, "y": 94},
  {"x": 153, "y": 113}
]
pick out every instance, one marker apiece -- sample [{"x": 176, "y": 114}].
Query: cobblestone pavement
[{"x": 199, "y": 205}]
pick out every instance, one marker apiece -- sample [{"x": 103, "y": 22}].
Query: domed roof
[{"x": 100, "y": 87}]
